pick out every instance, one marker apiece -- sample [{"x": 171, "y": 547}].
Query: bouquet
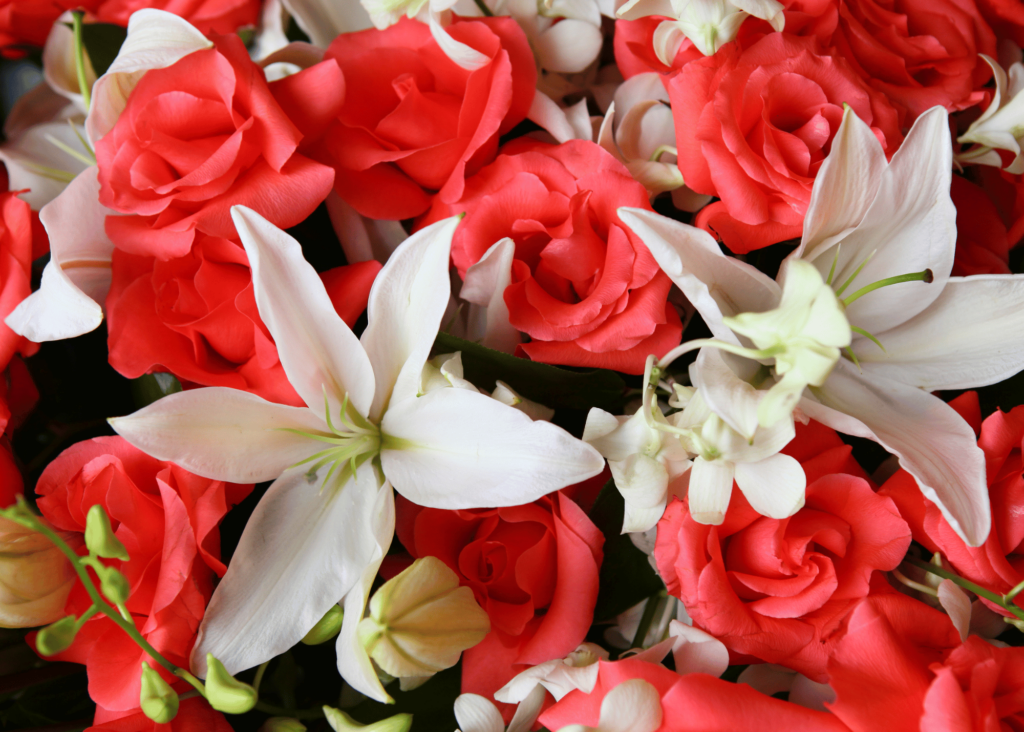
[{"x": 581, "y": 365}]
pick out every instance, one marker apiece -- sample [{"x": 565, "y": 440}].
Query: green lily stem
[
  {"x": 486, "y": 11},
  {"x": 83, "y": 85},
  {"x": 967, "y": 585},
  {"x": 259, "y": 676},
  {"x": 315, "y": 713},
  {"x": 650, "y": 610},
  {"x": 21, "y": 515}
]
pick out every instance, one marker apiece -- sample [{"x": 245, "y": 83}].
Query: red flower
[
  {"x": 415, "y": 121},
  {"x": 778, "y": 590},
  {"x": 982, "y": 246},
  {"x": 28, "y": 22},
  {"x": 533, "y": 568},
  {"x": 194, "y": 714},
  {"x": 1006, "y": 18},
  {"x": 167, "y": 519},
  {"x": 584, "y": 287},
  {"x": 22, "y": 240},
  {"x": 209, "y": 16},
  {"x": 634, "y": 48},
  {"x": 753, "y": 125},
  {"x": 200, "y": 136},
  {"x": 196, "y": 317}
]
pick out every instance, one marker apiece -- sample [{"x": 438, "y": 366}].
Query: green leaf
[
  {"x": 102, "y": 42},
  {"x": 626, "y": 576},
  {"x": 550, "y": 385},
  {"x": 149, "y": 387}
]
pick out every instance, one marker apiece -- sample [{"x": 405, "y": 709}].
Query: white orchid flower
[
  {"x": 632, "y": 706},
  {"x": 709, "y": 24},
  {"x": 883, "y": 236},
  {"x": 560, "y": 676},
  {"x": 474, "y": 713},
  {"x": 1001, "y": 125},
  {"x": 565, "y": 35},
  {"x": 311, "y": 537}
]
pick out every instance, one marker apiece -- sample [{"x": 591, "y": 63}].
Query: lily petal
[
  {"x": 303, "y": 548},
  {"x": 453, "y": 448},
  {"x": 932, "y": 441},
  {"x": 696, "y": 651},
  {"x": 773, "y": 487},
  {"x": 962, "y": 341},
  {"x": 407, "y": 302},
  {"x": 957, "y": 606},
  {"x": 632, "y": 706},
  {"x": 35, "y": 163},
  {"x": 325, "y": 20},
  {"x": 485, "y": 286},
  {"x": 318, "y": 351},
  {"x": 223, "y": 434}
]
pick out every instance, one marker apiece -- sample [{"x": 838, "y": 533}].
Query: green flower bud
[
  {"x": 158, "y": 700},
  {"x": 282, "y": 724},
  {"x": 99, "y": 537},
  {"x": 341, "y": 722},
  {"x": 56, "y": 637},
  {"x": 226, "y": 693},
  {"x": 326, "y": 628},
  {"x": 114, "y": 586}
]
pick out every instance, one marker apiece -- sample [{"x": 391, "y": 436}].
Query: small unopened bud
[
  {"x": 226, "y": 693},
  {"x": 283, "y": 724},
  {"x": 421, "y": 621},
  {"x": 114, "y": 586},
  {"x": 99, "y": 537},
  {"x": 326, "y": 628},
  {"x": 341, "y": 722},
  {"x": 158, "y": 700},
  {"x": 56, "y": 637}
]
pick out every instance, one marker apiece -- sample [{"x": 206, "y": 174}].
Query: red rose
[
  {"x": 167, "y": 519},
  {"x": 194, "y": 715},
  {"x": 634, "y": 48},
  {"x": 753, "y": 125},
  {"x": 920, "y": 53},
  {"x": 982, "y": 246},
  {"x": 998, "y": 564},
  {"x": 690, "y": 703},
  {"x": 22, "y": 240},
  {"x": 28, "y": 22},
  {"x": 415, "y": 121},
  {"x": 209, "y": 16},
  {"x": 901, "y": 666},
  {"x": 533, "y": 568},
  {"x": 584, "y": 287},
  {"x": 1006, "y": 17},
  {"x": 196, "y": 317},
  {"x": 202, "y": 135},
  {"x": 778, "y": 590}
]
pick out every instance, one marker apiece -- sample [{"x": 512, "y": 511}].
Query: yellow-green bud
[
  {"x": 326, "y": 628},
  {"x": 114, "y": 586},
  {"x": 282, "y": 724},
  {"x": 226, "y": 693},
  {"x": 56, "y": 637},
  {"x": 99, "y": 537},
  {"x": 158, "y": 700},
  {"x": 341, "y": 722}
]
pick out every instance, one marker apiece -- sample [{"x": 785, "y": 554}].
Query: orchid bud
[
  {"x": 35, "y": 578},
  {"x": 56, "y": 637},
  {"x": 326, "y": 627},
  {"x": 99, "y": 537},
  {"x": 114, "y": 586},
  {"x": 421, "y": 620},
  {"x": 283, "y": 724},
  {"x": 226, "y": 693},
  {"x": 341, "y": 722},
  {"x": 158, "y": 700}
]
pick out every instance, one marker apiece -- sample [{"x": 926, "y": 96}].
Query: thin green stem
[
  {"x": 851, "y": 278},
  {"x": 693, "y": 345},
  {"x": 315, "y": 713},
  {"x": 650, "y": 610},
  {"x": 1008, "y": 597},
  {"x": 83, "y": 85},
  {"x": 923, "y": 276},
  {"x": 967, "y": 585},
  {"x": 259, "y": 676},
  {"x": 914, "y": 585},
  {"x": 486, "y": 11}
]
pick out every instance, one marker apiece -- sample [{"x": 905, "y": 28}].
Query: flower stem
[
  {"x": 968, "y": 585},
  {"x": 486, "y": 11},
  {"x": 83, "y": 85},
  {"x": 650, "y": 610},
  {"x": 923, "y": 276}
]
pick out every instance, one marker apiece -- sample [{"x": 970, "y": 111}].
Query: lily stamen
[{"x": 922, "y": 276}]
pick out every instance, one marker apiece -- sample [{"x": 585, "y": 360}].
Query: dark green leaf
[
  {"x": 102, "y": 42},
  {"x": 149, "y": 387},
  {"x": 626, "y": 575},
  {"x": 552, "y": 386}
]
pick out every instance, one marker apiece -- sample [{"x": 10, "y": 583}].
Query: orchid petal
[
  {"x": 774, "y": 486},
  {"x": 545, "y": 112},
  {"x": 325, "y": 20},
  {"x": 696, "y": 651},
  {"x": 769, "y": 10},
  {"x": 353, "y": 661},
  {"x": 529, "y": 709},
  {"x": 717, "y": 285},
  {"x": 962, "y": 341},
  {"x": 223, "y": 434},
  {"x": 461, "y": 54},
  {"x": 77, "y": 277},
  {"x": 319, "y": 353},
  {"x": 303, "y": 548},
  {"x": 710, "y": 490},
  {"x": 474, "y": 713},
  {"x": 632, "y": 706},
  {"x": 933, "y": 442},
  {"x": 957, "y": 606},
  {"x": 453, "y": 448},
  {"x": 407, "y": 302},
  {"x": 730, "y": 397},
  {"x": 569, "y": 46},
  {"x": 485, "y": 285},
  {"x": 643, "y": 483}
]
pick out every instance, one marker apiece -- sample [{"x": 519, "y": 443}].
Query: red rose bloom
[
  {"x": 634, "y": 48},
  {"x": 690, "y": 703},
  {"x": 209, "y": 16},
  {"x": 28, "y": 22},
  {"x": 753, "y": 125},
  {"x": 167, "y": 519},
  {"x": 778, "y": 590},
  {"x": 415, "y": 121},
  {"x": 901, "y": 666},
  {"x": 1006, "y": 17},
  {"x": 998, "y": 564},
  {"x": 22, "y": 240},
  {"x": 584, "y": 287},
  {"x": 982, "y": 246},
  {"x": 200, "y": 136},
  {"x": 194, "y": 714},
  {"x": 533, "y": 568},
  {"x": 196, "y": 317}
]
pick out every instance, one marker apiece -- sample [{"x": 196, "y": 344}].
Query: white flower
[
  {"x": 578, "y": 670},
  {"x": 565, "y": 35},
  {"x": 323, "y": 527},
  {"x": 474, "y": 713},
  {"x": 632, "y": 706},
  {"x": 1001, "y": 125}
]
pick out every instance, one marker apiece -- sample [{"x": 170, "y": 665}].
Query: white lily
[
  {"x": 877, "y": 232},
  {"x": 1001, "y": 125},
  {"x": 709, "y": 24},
  {"x": 632, "y": 706},
  {"x": 311, "y": 539}
]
